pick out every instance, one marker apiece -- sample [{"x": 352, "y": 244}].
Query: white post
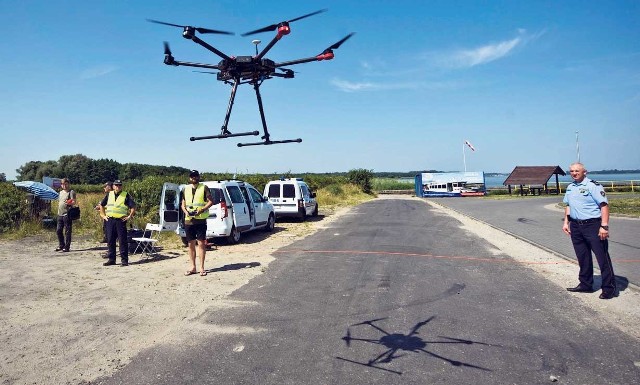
[
  {"x": 577, "y": 147},
  {"x": 464, "y": 158}
]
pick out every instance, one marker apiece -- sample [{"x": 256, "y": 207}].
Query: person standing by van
[
  {"x": 196, "y": 200},
  {"x": 66, "y": 199}
]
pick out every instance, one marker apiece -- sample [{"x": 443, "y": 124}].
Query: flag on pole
[{"x": 470, "y": 145}]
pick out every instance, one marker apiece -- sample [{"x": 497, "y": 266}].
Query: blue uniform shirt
[{"x": 584, "y": 199}]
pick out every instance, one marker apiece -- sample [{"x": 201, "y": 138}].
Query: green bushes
[
  {"x": 13, "y": 206},
  {"x": 361, "y": 177}
]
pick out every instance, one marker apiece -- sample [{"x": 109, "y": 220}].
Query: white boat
[{"x": 456, "y": 184}]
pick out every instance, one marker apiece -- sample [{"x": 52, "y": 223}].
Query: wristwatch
[{"x": 605, "y": 227}]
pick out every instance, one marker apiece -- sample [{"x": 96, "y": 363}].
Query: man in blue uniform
[{"x": 587, "y": 222}]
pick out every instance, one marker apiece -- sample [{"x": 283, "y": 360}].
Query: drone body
[{"x": 237, "y": 70}]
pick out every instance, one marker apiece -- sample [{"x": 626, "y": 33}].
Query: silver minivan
[{"x": 237, "y": 208}]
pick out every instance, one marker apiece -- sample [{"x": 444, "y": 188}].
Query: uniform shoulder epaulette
[{"x": 594, "y": 182}]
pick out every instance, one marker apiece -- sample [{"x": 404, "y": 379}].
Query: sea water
[{"x": 497, "y": 181}]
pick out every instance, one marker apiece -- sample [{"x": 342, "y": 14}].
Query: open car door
[{"x": 170, "y": 207}]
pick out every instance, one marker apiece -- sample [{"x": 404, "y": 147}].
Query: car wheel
[
  {"x": 315, "y": 211},
  {"x": 234, "y": 237},
  {"x": 271, "y": 223}
]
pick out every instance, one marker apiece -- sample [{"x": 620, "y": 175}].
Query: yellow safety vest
[
  {"x": 195, "y": 202},
  {"x": 116, "y": 207}
]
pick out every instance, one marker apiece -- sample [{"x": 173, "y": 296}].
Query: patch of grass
[
  {"x": 380, "y": 184},
  {"x": 625, "y": 206},
  {"x": 346, "y": 195}
]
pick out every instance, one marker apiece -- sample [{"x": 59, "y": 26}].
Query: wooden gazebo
[{"x": 535, "y": 178}]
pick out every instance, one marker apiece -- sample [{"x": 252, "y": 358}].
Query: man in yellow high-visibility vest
[
  {"x": 116, "y": 208},
  {"x": 196, "y": 200}
]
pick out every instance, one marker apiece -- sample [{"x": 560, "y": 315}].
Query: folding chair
[{"x": 147, "y": 243}]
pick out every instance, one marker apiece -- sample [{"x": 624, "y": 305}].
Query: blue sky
[{"x": 517, "y": 79}]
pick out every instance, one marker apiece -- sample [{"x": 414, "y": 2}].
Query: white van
[
  {"x": 237, "y": 208},
  {"x": 291, "y": 197}
]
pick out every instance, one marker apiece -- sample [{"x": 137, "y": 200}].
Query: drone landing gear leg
[
  {"x": 224, "y": 132},
  {"x": 266, "y": 137}
]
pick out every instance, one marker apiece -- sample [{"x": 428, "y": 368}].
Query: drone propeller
[
  {"x": 347, "y": 338},
  {"x": 273, "y": 27},
  {"x": 168, "y": 57},
  {"x": 199, "y": 29},
  {"x": 338, "y": 44},
  {"x": 287, "y": 71}
]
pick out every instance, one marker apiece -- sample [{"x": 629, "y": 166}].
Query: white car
[
  {"x": 237, "y": 208},
  {"x": 291, "y": 197}
]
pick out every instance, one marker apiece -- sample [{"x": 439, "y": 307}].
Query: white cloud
[
  {"x": 471, "y": 57},
  {"x": 484, "y": 54},
  {"x": 347, "y": 86},
  {"x": 96, "y": 72}
]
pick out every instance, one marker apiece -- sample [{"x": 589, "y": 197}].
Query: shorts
[{"x": 196, "y": 231}]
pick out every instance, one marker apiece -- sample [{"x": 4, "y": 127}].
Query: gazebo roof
[{"x": 523, "y": 175}]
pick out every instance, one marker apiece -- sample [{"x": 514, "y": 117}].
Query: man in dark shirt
[{"x": 195, "y": 203}]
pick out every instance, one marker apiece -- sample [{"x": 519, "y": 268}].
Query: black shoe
[
  {"x": 109, "y": 263},
  {"x": 65, "y": 250},
  {"x": 607, "y": 295},
  {"x": 124, "y": 263},
  {"x": 580, "y": 289},
  {"x": 59, "y": 249}
]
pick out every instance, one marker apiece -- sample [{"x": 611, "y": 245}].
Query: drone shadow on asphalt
[{"x": 396, "y": 344}]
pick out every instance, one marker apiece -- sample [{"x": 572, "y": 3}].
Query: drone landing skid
[
  {"x": 224, "y": 136},
  {"x": 269, "y": 142}
]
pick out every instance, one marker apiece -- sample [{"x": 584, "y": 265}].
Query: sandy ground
[{"x": 66, "y": 319}]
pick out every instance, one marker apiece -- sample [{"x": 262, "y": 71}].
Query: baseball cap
[
  {"x": 117, "y": 182},
  {"x": 194, "y": 173}
]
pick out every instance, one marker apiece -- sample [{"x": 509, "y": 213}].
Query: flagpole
[
  {"x": 577, "y": 147},
  {"x": 464, "y": 158}
]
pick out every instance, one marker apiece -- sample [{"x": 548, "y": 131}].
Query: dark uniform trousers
[
  {"x": 117, "y": 228},
  {"x": 65, "y": 224},
  {"x": 585, "y": 239}
]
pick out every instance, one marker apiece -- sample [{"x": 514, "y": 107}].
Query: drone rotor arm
[
  {"x": 211, "y": 48},
  {"x": 320, "y": 57},
  {"x": 191, "y": 64}
]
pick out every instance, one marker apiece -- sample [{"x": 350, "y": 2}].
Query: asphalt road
[
  {"x": 394, "y": 293},
  {"x": 530, "y": 218}
]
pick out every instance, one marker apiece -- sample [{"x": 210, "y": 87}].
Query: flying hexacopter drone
[{"x": 237, "y": 70}]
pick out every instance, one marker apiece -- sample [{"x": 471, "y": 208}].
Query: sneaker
[{"x": 109, "y": 263}]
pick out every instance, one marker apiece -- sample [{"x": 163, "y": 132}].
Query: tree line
[{"x": 81, "y": 169}]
